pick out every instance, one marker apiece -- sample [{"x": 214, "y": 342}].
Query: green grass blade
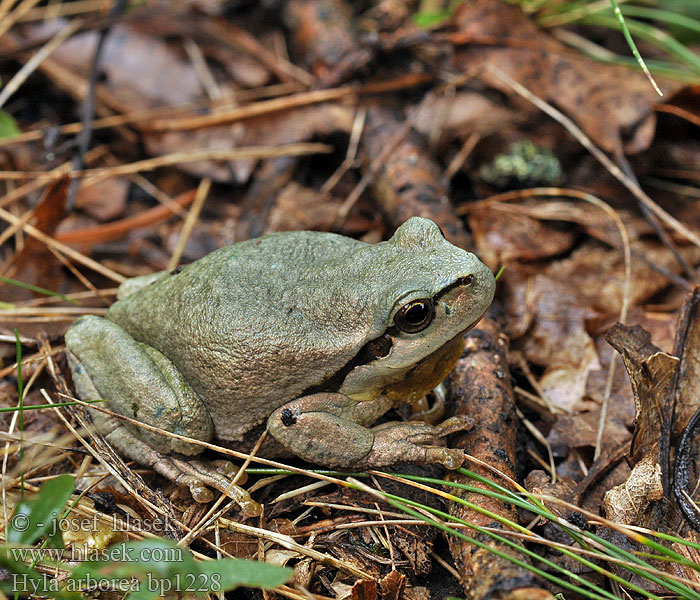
[
  {"x": 653, "y": 35},
  {"x": 35, "y": 288},
  {"x": 39, "y": 406}
]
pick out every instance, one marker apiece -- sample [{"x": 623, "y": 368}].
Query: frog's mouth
[{"x": 474, "y": 323}]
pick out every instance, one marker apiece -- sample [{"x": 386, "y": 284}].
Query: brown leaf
[
  {"x": 666, "y": 395},
  {"x": 627, "y": 503},
  {"x": 35, "y": 264},
  {"x": 141, "y": 70},
  {"x": 301, "y": 208},
  {"x": 581, "y": 430},
  {"x": 459, "y": 115},
  {"x": 502, "y": 236},
  {"x": 392, "y": 585},
  {"x": 612, "y": 104},
  {"x": 286, "y": 127},
  {"x": 557, "y": 337},
  {"x": 651, "y": 373},
  {"x": 104, "y": 200},
  {"x": 364, "y": 589}
]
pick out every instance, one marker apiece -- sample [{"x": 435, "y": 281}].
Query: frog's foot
[
  {"x": 197, "y": 474},
  {"x": 423, "y": 411},
  {"x": 415, "y": 442}
]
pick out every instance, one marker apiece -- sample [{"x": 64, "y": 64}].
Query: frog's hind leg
[
  {"x": 138, "y": 382},
  {"x": 193, "y": 473},
  {"x": 141, "y": 383}
]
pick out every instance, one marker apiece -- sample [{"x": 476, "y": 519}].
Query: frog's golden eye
[{"x": 415, "y": 316}]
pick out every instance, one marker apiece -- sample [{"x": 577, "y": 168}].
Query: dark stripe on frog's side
[
  {"x": 442, "y": 292},
  {"x": 365, "y": 356}
]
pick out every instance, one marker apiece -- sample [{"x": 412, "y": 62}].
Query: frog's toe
[
  {"x": 196, "y": 474},
  {"x": 450, "y": 458},
  {"x": 228, "y": 469},
  {"x": 200, "y": 492},
  {"x": 204, "y": 473},
  {"x": 413, "y": 442},
  {"x": 454, "y": 424}
]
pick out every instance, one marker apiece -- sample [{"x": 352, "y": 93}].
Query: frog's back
[{"x": 253, "y": 325}]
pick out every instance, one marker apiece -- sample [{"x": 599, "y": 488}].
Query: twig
[
  {"x": 138, "y": 116},
  {"x": 66, "y": 9},
  {"x": 654, "y": 222},
  {"x": 49, "y": 241},
  {"x": 85, "y": 135},
  {"x": 190, "y": 220},
  {"x": 257, "y": 109},
  {"x": 351, "y": 155},
  {"x": 204, "y": 74},
  {"x": 461, "y": 156},
  {"x": 8, "y": 20},
  {"x": 115, "y": 230}
]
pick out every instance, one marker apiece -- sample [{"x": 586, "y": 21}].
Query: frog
[{"x": 310, "y": 336}]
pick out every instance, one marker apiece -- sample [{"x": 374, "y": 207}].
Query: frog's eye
[{"x": 415, "y": 316}]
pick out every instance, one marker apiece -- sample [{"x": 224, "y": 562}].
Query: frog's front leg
[
  {"x": 329, "y": 429},
  {"x": 141, "y": 383}
]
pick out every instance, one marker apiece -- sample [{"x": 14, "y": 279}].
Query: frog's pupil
[{"x": 416, "y": 313}]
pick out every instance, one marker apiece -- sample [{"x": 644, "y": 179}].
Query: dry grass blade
[
  {"x": 287, "y": 542},
  {"x": 8, "y": 20},
  {"x": 146, "y": 115},
  {"x": 190, "y": 220},
  {"x": 175, "y": 158},
  {"x": 220, "y": 449},
  {"x": 211, "y": 515},
  {"x": 66, "y": 9},
  {"x": 56, "y": 245},
  {"x": 238, "y": 113},
  {"x": 30, "y": 66}
]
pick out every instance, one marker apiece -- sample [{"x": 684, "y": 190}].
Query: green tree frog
[{"x": 312, "y": 335}]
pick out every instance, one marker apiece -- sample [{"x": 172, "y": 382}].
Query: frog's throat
[{"x": 425, "y": 375}]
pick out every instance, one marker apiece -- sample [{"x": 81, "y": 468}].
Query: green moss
[{"x": 524, "y": 165}]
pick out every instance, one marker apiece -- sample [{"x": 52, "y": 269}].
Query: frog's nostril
[{"x": 467, "y": 279}]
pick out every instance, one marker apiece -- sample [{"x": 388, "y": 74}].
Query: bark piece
[
  {"x": 408, "y": 182},
  {"x": 323, "y": 33},
  {"x": 481, "y": 388}
]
